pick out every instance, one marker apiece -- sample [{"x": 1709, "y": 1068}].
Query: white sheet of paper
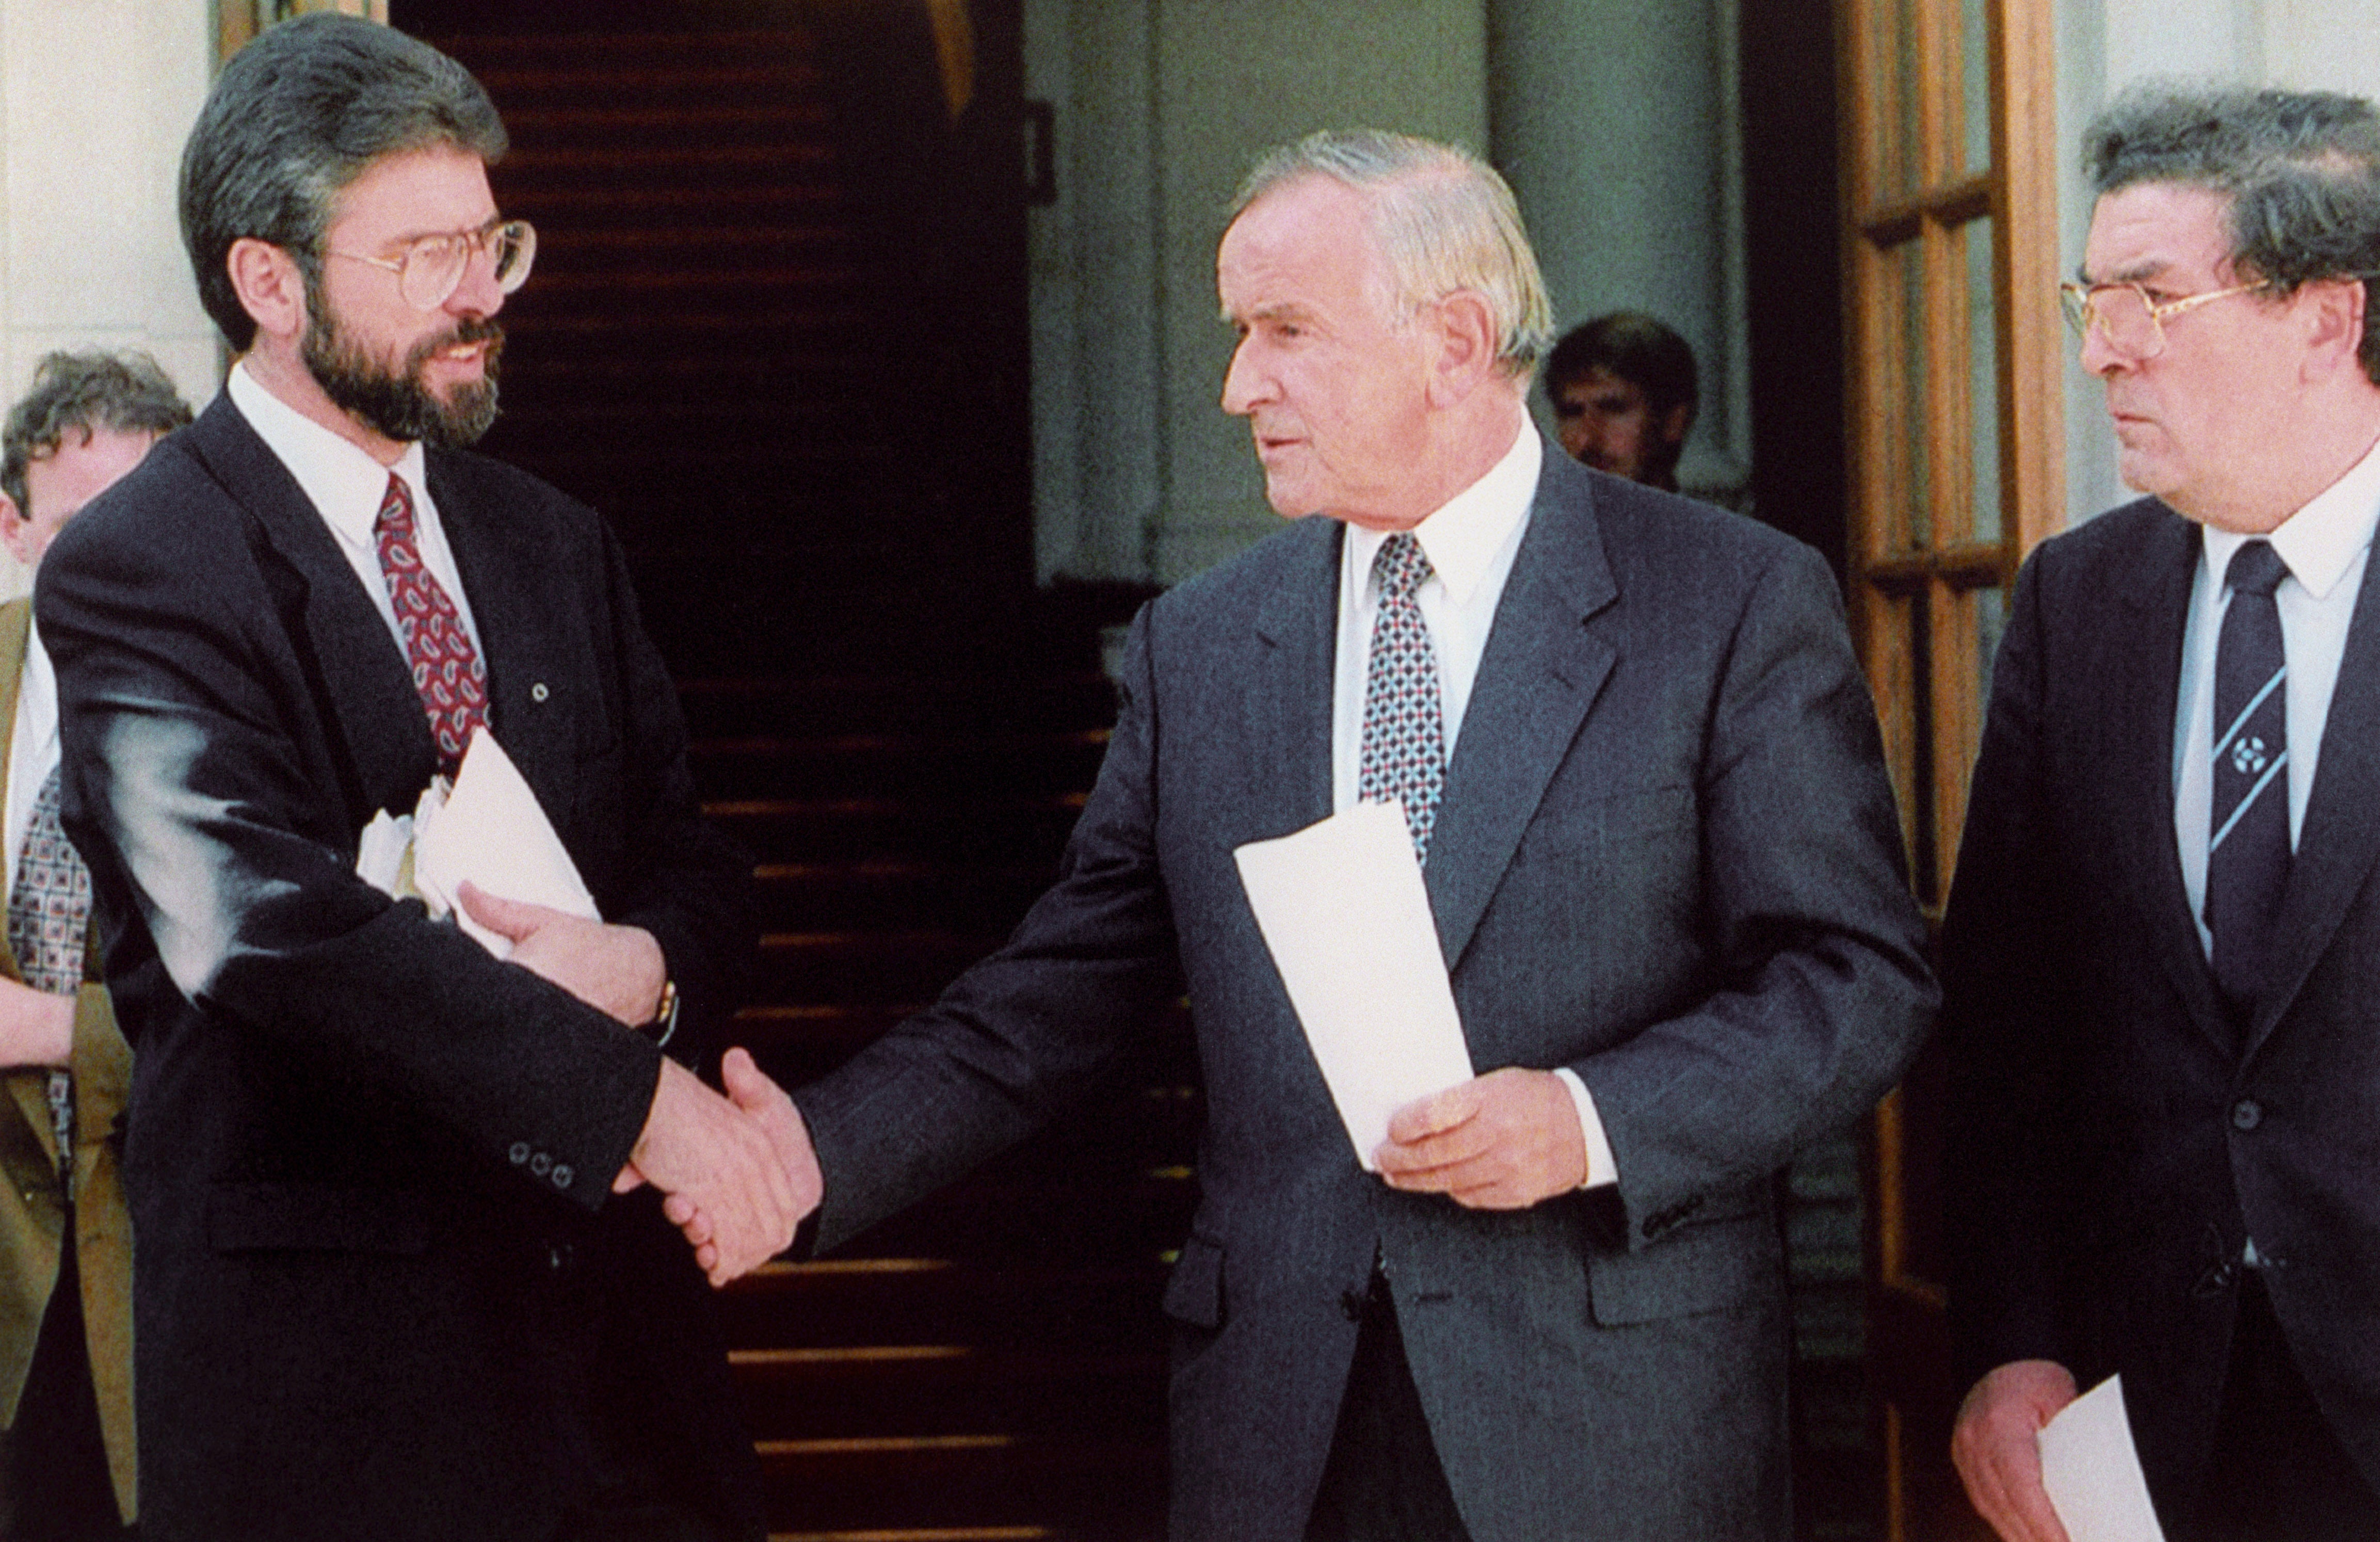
[
  {"x": 493, "y": 831},
  {"x": 1342, "y": 909},
  {"x": 2093, "y": 1472}
]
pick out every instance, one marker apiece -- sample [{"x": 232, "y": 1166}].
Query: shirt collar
[
  {"x": 346, "y": 485},
  {"x": 2320, "y": 542},
  {"x": 1463, "y": 538}
]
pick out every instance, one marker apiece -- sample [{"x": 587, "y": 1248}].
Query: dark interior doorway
[{"x": 777, "y": 333}]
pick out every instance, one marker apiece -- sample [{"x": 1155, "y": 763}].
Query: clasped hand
[{"x": 737, "y": 1170}]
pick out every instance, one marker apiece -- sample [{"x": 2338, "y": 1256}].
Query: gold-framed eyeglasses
[
  {"x": 429, "y": 270},
  {"x": 2127, "y": 320}
]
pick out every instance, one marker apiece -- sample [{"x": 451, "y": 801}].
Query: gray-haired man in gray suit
[{"x": 1664, "y": 867}]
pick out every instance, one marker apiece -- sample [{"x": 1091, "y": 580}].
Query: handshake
[{"x": 738, "y": 1170}]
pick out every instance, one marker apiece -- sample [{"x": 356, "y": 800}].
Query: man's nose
[
  {"x": 1245, "y": 384},
  {"x": 479, "y": 294},
  {"x": 2095, "y": 354}
]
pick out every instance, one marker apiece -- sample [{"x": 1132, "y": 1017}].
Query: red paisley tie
[{"x": 446, "y": 668}]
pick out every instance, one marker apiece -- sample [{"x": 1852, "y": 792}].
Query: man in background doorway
[
  {"x": 66, "y": 1241},
  {"x": 1624, "y": 393}
]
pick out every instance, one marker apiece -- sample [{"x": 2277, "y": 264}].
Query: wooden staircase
[{"x": 989, "y": 1365}]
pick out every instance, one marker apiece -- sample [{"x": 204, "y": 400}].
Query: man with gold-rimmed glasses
[
  {"x": 2162, "y": 951},
  {"x": 404, "y": 1267}
]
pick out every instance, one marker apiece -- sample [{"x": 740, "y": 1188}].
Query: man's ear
[
  {"x": 270, "y": 287},
  {"x": 2333, "y": 311},
  {"x": 1676, "y": 422},
  {"x": 15, "y": 530},
  {"x": 1465, "y": 346}
]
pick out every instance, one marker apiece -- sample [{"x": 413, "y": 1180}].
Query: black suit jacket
[
  {"x": 380, "y": 1286},
  {"x": 2115, "y": 1137},
  {"x": 1665, "y": 855}
]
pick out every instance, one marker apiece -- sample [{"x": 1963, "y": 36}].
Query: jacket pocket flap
[
  {"x": 1194, "y": 1294},
  {"x": 1695, "y": 1268},
  {"x": 314, "y": 1217}
]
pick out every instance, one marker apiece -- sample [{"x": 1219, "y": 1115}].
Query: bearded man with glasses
[
  {"x": 405, "y": 1266},
  {"x": 2162, "y": 949}
]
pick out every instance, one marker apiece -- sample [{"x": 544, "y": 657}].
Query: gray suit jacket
[{"x": 1666, "y": 856}]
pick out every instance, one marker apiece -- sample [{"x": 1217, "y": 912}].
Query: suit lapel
[
  {"x": 1288, "y": 703},
  {"x": 1540, "y": 673},
  {"x": 2340, "y": 840},
  {"x": 361, "y": 680}
]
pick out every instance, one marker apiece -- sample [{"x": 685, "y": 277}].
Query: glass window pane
[
  {"x": 1983, "y": 382},
  {"x": 1910, "y": 487},
  {"x": 1893, "y": 70},
  {"x": 1975, "y": 76}
]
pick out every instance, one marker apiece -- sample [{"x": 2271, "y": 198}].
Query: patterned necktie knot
[
  {"x": 2255, "y": 568},
  {"x": 1401, "y": 565}
]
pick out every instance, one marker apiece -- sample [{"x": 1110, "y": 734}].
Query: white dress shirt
[
  {"x": 32, "y": 748},
  {"x": 1470, "y": 542},
  {"x": 2324, "y": 545},
  {"x": 346, "y": 487}
]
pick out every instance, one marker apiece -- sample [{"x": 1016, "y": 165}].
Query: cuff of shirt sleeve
[{"x": 1601, "y": 1168}]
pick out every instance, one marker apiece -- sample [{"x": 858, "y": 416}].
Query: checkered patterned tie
[
  {"x": 49, "y": 913},
  {"x": 446, "y": 668},
  {"x": 2248, "y": 835},
  {"x": 1403, "y": 754}
]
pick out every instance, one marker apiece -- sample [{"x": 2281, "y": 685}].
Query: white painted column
[{"x": 1615, "y": 122}]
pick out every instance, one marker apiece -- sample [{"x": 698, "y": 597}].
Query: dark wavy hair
[
  {"x": 295, "y": 117},
  {"x": 83, "y": 393},
  {"x": 2302, "y": 170}
]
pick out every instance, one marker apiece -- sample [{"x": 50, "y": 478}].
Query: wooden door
[{"x": 1954, "y": 439}]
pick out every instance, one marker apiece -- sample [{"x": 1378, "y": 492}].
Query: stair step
[
  {"x": 1082, "y": 1486},
  {"x": 958, "y": 702},
  {"x": 893, "y": 764},
  {"x": 1108, "y": 1306},
  {"x": 829, "y": 828},
  {"x": 946, "y": 1388},
  {"x": 979, "y": 898}
]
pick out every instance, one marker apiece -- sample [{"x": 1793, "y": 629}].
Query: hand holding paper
[
  {"x": 1997, "y": 1446},
  {"x": 1344, "y": 915},
  {"x": 617, "y": 970},
  {"x": 1501, "y": 1142}
]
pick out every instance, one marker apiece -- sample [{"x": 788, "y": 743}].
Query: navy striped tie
[{"x": 2248, "y": 833}]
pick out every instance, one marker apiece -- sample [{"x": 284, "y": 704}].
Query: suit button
[
  {"x": 1351, "y": 1301},
  {"x": 519, "y": 1152},
  {"x": 562, "y": 1175},
  {"x": 2247, "y": 1113},
  {"x": 557, "y": 1257},
  {"x": 2214, "y": 1282},
  {"x": 540, "y": 1164}
]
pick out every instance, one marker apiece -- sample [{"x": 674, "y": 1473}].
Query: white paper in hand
[
  {"x": 493, "y": 831},
  {"x": 2093, "y": 1471},
  {"x": 1344, "y": 912}
]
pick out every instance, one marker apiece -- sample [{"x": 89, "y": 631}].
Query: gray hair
[
  {"x": 1444, "y": 219},
  {"x": 2301, "y": 169},
  {"x": 295, "y": 117},
  {"x": 83, "y": 393}
]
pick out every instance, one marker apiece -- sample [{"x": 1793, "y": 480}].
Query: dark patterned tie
[
  {"x": 49, "y": 914},
  {"x": 1403, "y": 753},
  {"x": 446, "y": 668},
  {"x": 2248, "y": 839}
]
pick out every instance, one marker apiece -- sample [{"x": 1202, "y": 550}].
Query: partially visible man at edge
[
  {"x": 2162, "y": 947},
  {"x": 65, "y": 1241},
  {"x": 399, "y": 1275}
]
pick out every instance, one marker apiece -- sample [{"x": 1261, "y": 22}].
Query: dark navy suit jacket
[
  {"x": 1666, "y": 856},
  {"x": 2116, "y": 1138},
  {"x": 380, "y": 1287}
]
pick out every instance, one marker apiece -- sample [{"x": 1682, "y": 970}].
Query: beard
[{"x": 394, "y": 402}]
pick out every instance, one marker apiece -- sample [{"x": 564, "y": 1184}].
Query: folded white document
[
  {"x": 2092, "y": 1471},
  {"x": 1342, "y": 910},
  {"x": 488, "y": 829}
]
